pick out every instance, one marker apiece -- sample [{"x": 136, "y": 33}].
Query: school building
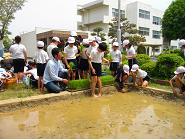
[{"x": 99, "y": 13}]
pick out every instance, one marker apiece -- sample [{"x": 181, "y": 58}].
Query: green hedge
[
  {"x": 85, "y": 83},
  {"x": 149, "y": 68},
  {"x": 142, "y": 59},
  {"x": 167, "y": 64}
]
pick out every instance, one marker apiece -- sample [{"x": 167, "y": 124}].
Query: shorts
[
  {"x": 183, "y": 88},
  {"x": 114, "y": 66},
  {"x": 40, "y": 69},
  {"x": 147, "y": 78},
  {"x": 84, "y": 65},
  {"x": 18, "y": 65},
  {"x": 75, "y": 64},
  {"x": 97, "y": 68}
]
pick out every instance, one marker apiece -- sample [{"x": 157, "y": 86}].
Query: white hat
[
  {"x": 125, "y": 42},
  {"x": 1, "y": 58},
  {"x": 134, "y": 67},
  {"x": 40, "y": 44},
  {"x": 126, "y": 69},
  {"x": 73, "y": 34},
  {"x": 85, "y": 41},
  {"x": 56, "y": 39},
  {"x": 98, "y": 39},
  {"x": 115, "y": 44},
  {"x": 92, "y": 38},
  {"x": 179, "y": 70},
  {"x": 71, "y": 40},
  {"x": 181, "y": 43}
]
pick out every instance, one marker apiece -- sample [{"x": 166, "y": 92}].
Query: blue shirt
[{"x": 51, "y": 71}]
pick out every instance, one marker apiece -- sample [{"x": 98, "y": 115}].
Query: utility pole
[{"x": 119, "y": 18}]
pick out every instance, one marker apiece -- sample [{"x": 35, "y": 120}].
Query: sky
[{"x": 57, "y": 14}]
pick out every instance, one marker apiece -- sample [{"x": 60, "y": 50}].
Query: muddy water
[{"x": 120, "y": 116}]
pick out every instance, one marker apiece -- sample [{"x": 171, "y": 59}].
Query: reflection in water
[{"x": 119, "y": 116}]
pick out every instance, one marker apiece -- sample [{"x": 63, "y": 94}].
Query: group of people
[{"x": 79, "y": 59}]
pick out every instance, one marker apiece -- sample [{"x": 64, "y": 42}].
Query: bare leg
[
  {"x": 99, "y": 86},
  {"x": 73, "y": 75},
  {"x": 93, "y": 85}
]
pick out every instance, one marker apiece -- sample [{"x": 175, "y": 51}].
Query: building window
[
  {"x": 115, "y": 13},
  {"x": 156, "y": 20},
  {"x": 144, "y": 31},
  {"x": 144, "y": 14},
  {"x": 156, "y": 34}
]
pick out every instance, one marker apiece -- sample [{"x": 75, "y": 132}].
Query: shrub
[
  {"x": 142, "y": 59},
  {"x": 167, "y": 64},
  {"x": 176, "y": 51},
  {"x": 149, "y": 68}
]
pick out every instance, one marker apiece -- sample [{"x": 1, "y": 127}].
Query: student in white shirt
[
  {"x": 19, "y": 55},
  {"x": 96, "y": 57},
  {"x": 116, "y": 58},
  {"x": 140, "y": 77},
  {"x": 178, "y": 81},
  {"x": 131, "y": 53},
  {"x": 70, "y": 52},
  {"x": 84, "y": 64},
  {"x": 41, "y": 58},
  {"x": 54, "y": 43},
  {"x": 92, "y": 46}
]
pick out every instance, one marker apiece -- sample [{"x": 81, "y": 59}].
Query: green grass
[
  {"x": 159, "y": 86},
  {"x": 17, "y": 91}
]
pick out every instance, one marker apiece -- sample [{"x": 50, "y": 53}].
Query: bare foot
[
  {"x": 99, "y": 95},
  {"x": 95, "y": 96}
]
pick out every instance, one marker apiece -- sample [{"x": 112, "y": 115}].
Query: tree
[
  {"x": 7, "y": 10},
  {"x": 128, "y": 31},
  {"x": 173, "y": 21},
  {"x": 99, "y": 32}
]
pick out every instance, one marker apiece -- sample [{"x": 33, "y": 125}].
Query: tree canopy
[
  {"x": 7, "y": 10},
  {"x": 173, "y": 23},
  {"x": 128, "y": 31},
  {"x": 99, "y": 32}
]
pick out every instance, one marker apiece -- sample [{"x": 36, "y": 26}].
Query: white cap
[
  {"x": 126, "y": 69},
  {"x": 73, "y": 34},
  {"x": 134, "y": 67},
  {"x": 181, "y": 43},
  {"x": 71, "y": 40},
  {"x": 125, "y": 42},
  {"x": 115, "y": 44},
  {"x": 179, "y": 70},
  {"x": 56, "y": 39},
  {"x": 85, "y": 41},
  {"x": 98, "y": 39},
  {"x": 40, "y": 44},
  {"x": 1, "y": 58},
  {"x": 92, "y": 38}
]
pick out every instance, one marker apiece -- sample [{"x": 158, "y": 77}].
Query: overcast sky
[{"x": 57, "y": 14}]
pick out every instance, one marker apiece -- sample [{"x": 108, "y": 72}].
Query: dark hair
[
  {"x": 55, "y": 51},
  {"x": 31, "y": 63},
  {"x": 17, "y": 39},
  {"x": 103, "y": 46}
]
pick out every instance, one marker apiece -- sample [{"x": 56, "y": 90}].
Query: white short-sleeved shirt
[
  {"x": 41, "y": 56},
  {"x": 49, "y": 49},
  {"x": 91, "y": 48},
  {"x": 131, "y": 51},
  {"x": 96, "y": 57},
  {"x": 70, "y": 52},
  {"x": 116, "y": 55},
  {"x": 34, "y": 73},
  {"x": 141, "y": 73},
  {"x": 17, "y": 51}
]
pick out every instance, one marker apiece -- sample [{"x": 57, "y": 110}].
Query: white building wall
[
  {"x": 132, "y": 13},
  {"x": 30, "y": 40}
]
